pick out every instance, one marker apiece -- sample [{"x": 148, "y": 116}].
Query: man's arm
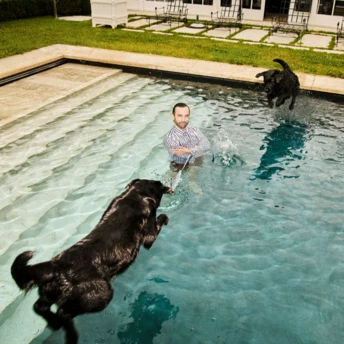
[
  {"x": 169, "y": 145},
  {"x": 202, "y": 146}
]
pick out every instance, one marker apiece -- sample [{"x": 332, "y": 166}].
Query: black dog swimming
[
  {"x": 77, "y": 280},
  {"x": 281, "y": 84}
]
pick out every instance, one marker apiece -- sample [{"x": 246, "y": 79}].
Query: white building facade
[{"x": 323, "y": 13}]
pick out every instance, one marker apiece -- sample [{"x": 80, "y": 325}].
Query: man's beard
[{"x": 182, "y": 125}]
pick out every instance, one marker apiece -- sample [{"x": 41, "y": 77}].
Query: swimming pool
[{"x": 256, "y": 258}]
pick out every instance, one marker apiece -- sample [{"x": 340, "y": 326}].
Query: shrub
[
  {"x": 73, "y": 7},
  {"x": 17, "y": 9}
]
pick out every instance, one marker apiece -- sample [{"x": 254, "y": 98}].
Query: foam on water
[
  {"x": 256, "y": 258},
  {"x": 225, "y": 152}
]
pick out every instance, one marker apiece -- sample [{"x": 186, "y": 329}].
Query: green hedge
[
  {"x": 73, "y": 7},
  {"x": 17, "y": 9}
]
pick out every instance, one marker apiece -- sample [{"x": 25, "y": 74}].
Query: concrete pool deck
[{"x": 11, "y": 101}]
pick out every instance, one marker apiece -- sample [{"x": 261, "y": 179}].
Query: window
[
  {"x": 331, "y": 7},
  {"x": 226, "y": 3},
  {"x": 339, "y": 8},
  {"x": 252, "y": 4},
  {"x": 325, "y": 7},
  {"x": 302, "y": 5},
  {"x": 194, "y": 2},
  {"x": 198, "y": 2}
]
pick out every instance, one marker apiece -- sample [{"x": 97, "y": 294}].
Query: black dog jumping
[
  {"x": 281, "y": 84},
  {"x": 78, "y": 279}
]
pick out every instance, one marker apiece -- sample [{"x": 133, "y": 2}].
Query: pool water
[{"x": 256, "y": 257}]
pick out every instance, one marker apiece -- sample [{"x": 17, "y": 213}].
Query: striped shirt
[{"x": 191, "y": 137}]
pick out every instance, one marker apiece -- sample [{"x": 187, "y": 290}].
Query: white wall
[
  {"x": 204, "y": 12},
  {"x": 323, "y": 20}
]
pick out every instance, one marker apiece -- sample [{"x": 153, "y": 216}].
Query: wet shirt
[{"x": 191, "y": 137}]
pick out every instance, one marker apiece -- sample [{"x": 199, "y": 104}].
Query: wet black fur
[
  {"x": 78, "y": 279},
  {"x": 280, "y": 84}
]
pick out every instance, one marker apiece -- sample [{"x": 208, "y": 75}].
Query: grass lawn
[{"x": 17, "y": 37}]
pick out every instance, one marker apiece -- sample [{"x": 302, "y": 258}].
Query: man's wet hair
[{"x": 181, "y": 105}]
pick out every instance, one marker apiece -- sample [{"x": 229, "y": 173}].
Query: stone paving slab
[
  {"x": 259, "y": 43},
  {"x": 163, "y": 26},
  {"x": 281, "y": 38},
  {"x": 340, "y": 45},
  {"x": 224, "y": 40},
  {"x": 162, "y": 33},
  {"x": 319, "y": 41},
  {"x": 326, "y": 84},
  {"x": 189, "y": 30},
  {"x": 329, "y": 51},
  {"x": 138, "y": 23},
  {"x": 135, "y": 30},
  {"x": 221, "y": 32},
  {"x": 22, "y": 62},
  {"x": 293, "y": 47},
  {"x": 251, "y": 34},
  {"x": 194, "y": 37},
  {"x": 75, "y": 18}
]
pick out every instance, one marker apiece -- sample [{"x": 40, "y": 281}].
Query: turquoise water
[{"x": 257, "y": 257}]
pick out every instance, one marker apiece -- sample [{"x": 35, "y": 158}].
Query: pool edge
[{"x": 18, "y": 66}]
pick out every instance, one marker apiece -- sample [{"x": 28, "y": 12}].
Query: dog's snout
[{"x": 169, "y": 190}]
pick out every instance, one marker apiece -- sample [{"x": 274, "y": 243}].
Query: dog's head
[
  {"x": 271, "y": 78},
  {"x": 150, "y": 188}
]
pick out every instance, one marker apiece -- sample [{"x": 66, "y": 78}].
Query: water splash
[
  {"x": 225, "y": 152},
  {"x": 179, "y": 175},
  {"x": 176, "y": 180}
]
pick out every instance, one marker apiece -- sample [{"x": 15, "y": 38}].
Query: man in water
[{"x": 185, "y": 144}]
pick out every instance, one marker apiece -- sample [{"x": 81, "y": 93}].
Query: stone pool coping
[{"x": 16, "y": 64}]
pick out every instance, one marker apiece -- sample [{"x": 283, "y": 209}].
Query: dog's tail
[
  {"x": 282, "y": 63},
  {"x": 26, "y": 276}
]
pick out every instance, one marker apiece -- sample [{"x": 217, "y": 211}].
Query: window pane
[
  {"x": 256, "y": 4},
  {"x": 226, "y": 3},
  {"x": 325, "y": 7},
  {"x": 339, "y": 8},
  {"x": 302, "y": 5},
  {"x": 246, "y": 4}
]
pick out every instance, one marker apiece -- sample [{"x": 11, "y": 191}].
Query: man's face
[{"x": 181, "y": 117}]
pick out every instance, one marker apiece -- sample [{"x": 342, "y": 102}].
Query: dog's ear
[
  {"x": 131, "y": 183},
  {"x": 270, "y": 74}
]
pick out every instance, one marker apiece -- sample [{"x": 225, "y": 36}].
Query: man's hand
[{"x": 182, "y": 151}]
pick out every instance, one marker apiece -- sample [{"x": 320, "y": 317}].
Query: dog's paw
[{"x": 163, "y": 219}]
